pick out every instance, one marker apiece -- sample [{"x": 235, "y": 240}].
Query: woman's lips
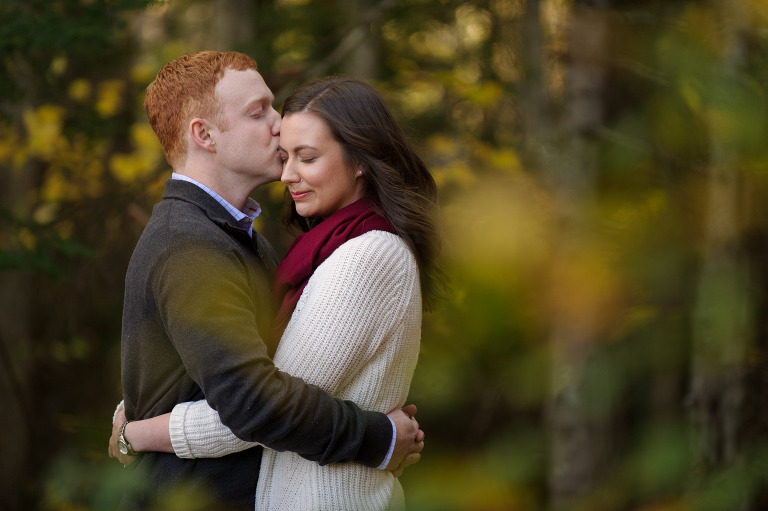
[{"x": 297, "y": 196}]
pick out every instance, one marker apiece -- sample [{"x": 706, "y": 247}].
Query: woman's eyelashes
[{"x": 284, "y": 158}]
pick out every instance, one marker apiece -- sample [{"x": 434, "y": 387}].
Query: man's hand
[
  {"x": 114, "y": 452},
  {"x": 409, "y": 442}
]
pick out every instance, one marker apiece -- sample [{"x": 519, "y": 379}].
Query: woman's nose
[{"x": 288, "y": 175}]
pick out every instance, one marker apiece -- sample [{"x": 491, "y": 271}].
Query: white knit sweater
[{"x": 355, "y": 333}]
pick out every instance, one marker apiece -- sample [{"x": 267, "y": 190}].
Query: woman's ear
[{"x": 200, "y": 132}]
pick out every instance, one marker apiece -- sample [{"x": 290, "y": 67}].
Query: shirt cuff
[{"x": 391, "y": 447}]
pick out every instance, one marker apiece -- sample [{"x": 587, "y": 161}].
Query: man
[{"x": 198, "y": 293}]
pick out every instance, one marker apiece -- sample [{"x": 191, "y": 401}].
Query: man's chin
[{"x": 275, "y": 174}]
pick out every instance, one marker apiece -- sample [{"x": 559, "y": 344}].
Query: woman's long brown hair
[{"x": 394, "y": 174}]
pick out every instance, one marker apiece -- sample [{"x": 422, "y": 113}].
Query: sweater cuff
[
  {"x": 176, "y": 430},
  {"x": 377, "y": 439},
  {"x": 120, "y": 405}
]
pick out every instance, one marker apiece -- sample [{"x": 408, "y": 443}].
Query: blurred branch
[{"x": 351, "y": 41}]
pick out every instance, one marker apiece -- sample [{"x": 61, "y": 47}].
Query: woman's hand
[{"x": 114, "y": 452}]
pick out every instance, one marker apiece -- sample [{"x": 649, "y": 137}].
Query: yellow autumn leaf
[
  {"x": 27, "y": 239},
  {"x": 505, "y": 159},
  {"x": 126, "y": 167},
  {"x": 109, "y": 97},
  {"x": 53, "y": 189},
  {"x": 80, "y": 89},
  {"x": 8, "y": 143},
  {"x": 43, "y": 127},
  {"x": 500, "y": 232},
  {"x": 143, "y": 160}
]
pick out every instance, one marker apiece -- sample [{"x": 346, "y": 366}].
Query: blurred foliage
[{"x": 603, "y": 201}]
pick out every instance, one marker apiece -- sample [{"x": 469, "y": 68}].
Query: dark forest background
[{"x": 603, "y": 167}]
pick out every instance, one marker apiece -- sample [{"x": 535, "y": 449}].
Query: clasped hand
[{"x": 409, "y": 442}]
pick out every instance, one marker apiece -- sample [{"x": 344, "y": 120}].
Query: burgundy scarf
[{"x": 310, "y": 249}]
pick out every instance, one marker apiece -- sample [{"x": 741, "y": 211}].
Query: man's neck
[{"x": 233, "y": 192}]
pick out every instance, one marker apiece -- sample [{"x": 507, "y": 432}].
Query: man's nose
[{"x": 276, "y": 124}]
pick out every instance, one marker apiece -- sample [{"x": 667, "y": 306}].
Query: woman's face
[{"x": 314, "y": 170}]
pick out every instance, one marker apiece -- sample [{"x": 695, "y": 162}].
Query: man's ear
[{"x": 200, "y": 131}]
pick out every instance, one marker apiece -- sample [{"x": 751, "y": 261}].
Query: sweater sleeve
[{"x": 197, "y": 432}]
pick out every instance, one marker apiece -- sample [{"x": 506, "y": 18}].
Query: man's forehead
[{"x": 248, "y": 85}]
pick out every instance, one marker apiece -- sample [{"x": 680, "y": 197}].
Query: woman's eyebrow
[{"x": 297, "y": 148}]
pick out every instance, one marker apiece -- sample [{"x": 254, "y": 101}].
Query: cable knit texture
[{"x": 355, "y": 333}]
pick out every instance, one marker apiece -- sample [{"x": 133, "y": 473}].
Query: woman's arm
[
  {"x": 149, "y": 435},
  {"x": 146, "y": 435},
  {"x": 191, "y": 430},
  {"x": 196, "y": 431}
]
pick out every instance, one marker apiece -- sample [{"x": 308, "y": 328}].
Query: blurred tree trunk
[
  {"x": 232, "y": 23},
  {"x": 363, "y": 60},
  {"x": 578, "y": 439},
  {"x": 723, "y": 314},
  {"x": 16, "y": 298},
  {"x": 536, "y": 106}
]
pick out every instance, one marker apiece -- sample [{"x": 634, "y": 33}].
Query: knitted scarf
[{"x": 310, "y": 249}]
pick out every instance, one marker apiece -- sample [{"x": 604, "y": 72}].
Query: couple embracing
[{"x": 279, "y": 386}]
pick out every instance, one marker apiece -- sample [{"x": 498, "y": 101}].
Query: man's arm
[
  {"x": 156, "y": 435},
  {"x": 208, "y": 310}
]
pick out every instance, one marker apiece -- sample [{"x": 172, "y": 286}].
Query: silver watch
[{"x": 123, "y": 445}]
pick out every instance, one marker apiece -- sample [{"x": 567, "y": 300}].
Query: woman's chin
[{"x": 304, "y": 212}]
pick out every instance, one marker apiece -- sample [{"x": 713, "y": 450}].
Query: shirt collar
[{"x": 244, "y": 218}]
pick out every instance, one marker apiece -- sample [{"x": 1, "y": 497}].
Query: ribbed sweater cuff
[
  {"x": 376, "y": 439},
  {"x": 176, "y": 429}
]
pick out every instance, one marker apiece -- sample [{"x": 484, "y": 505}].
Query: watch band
[{"x": 122, "y": 444}]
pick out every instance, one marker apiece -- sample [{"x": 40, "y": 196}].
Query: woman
[{"x": 349, "y": 291}]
